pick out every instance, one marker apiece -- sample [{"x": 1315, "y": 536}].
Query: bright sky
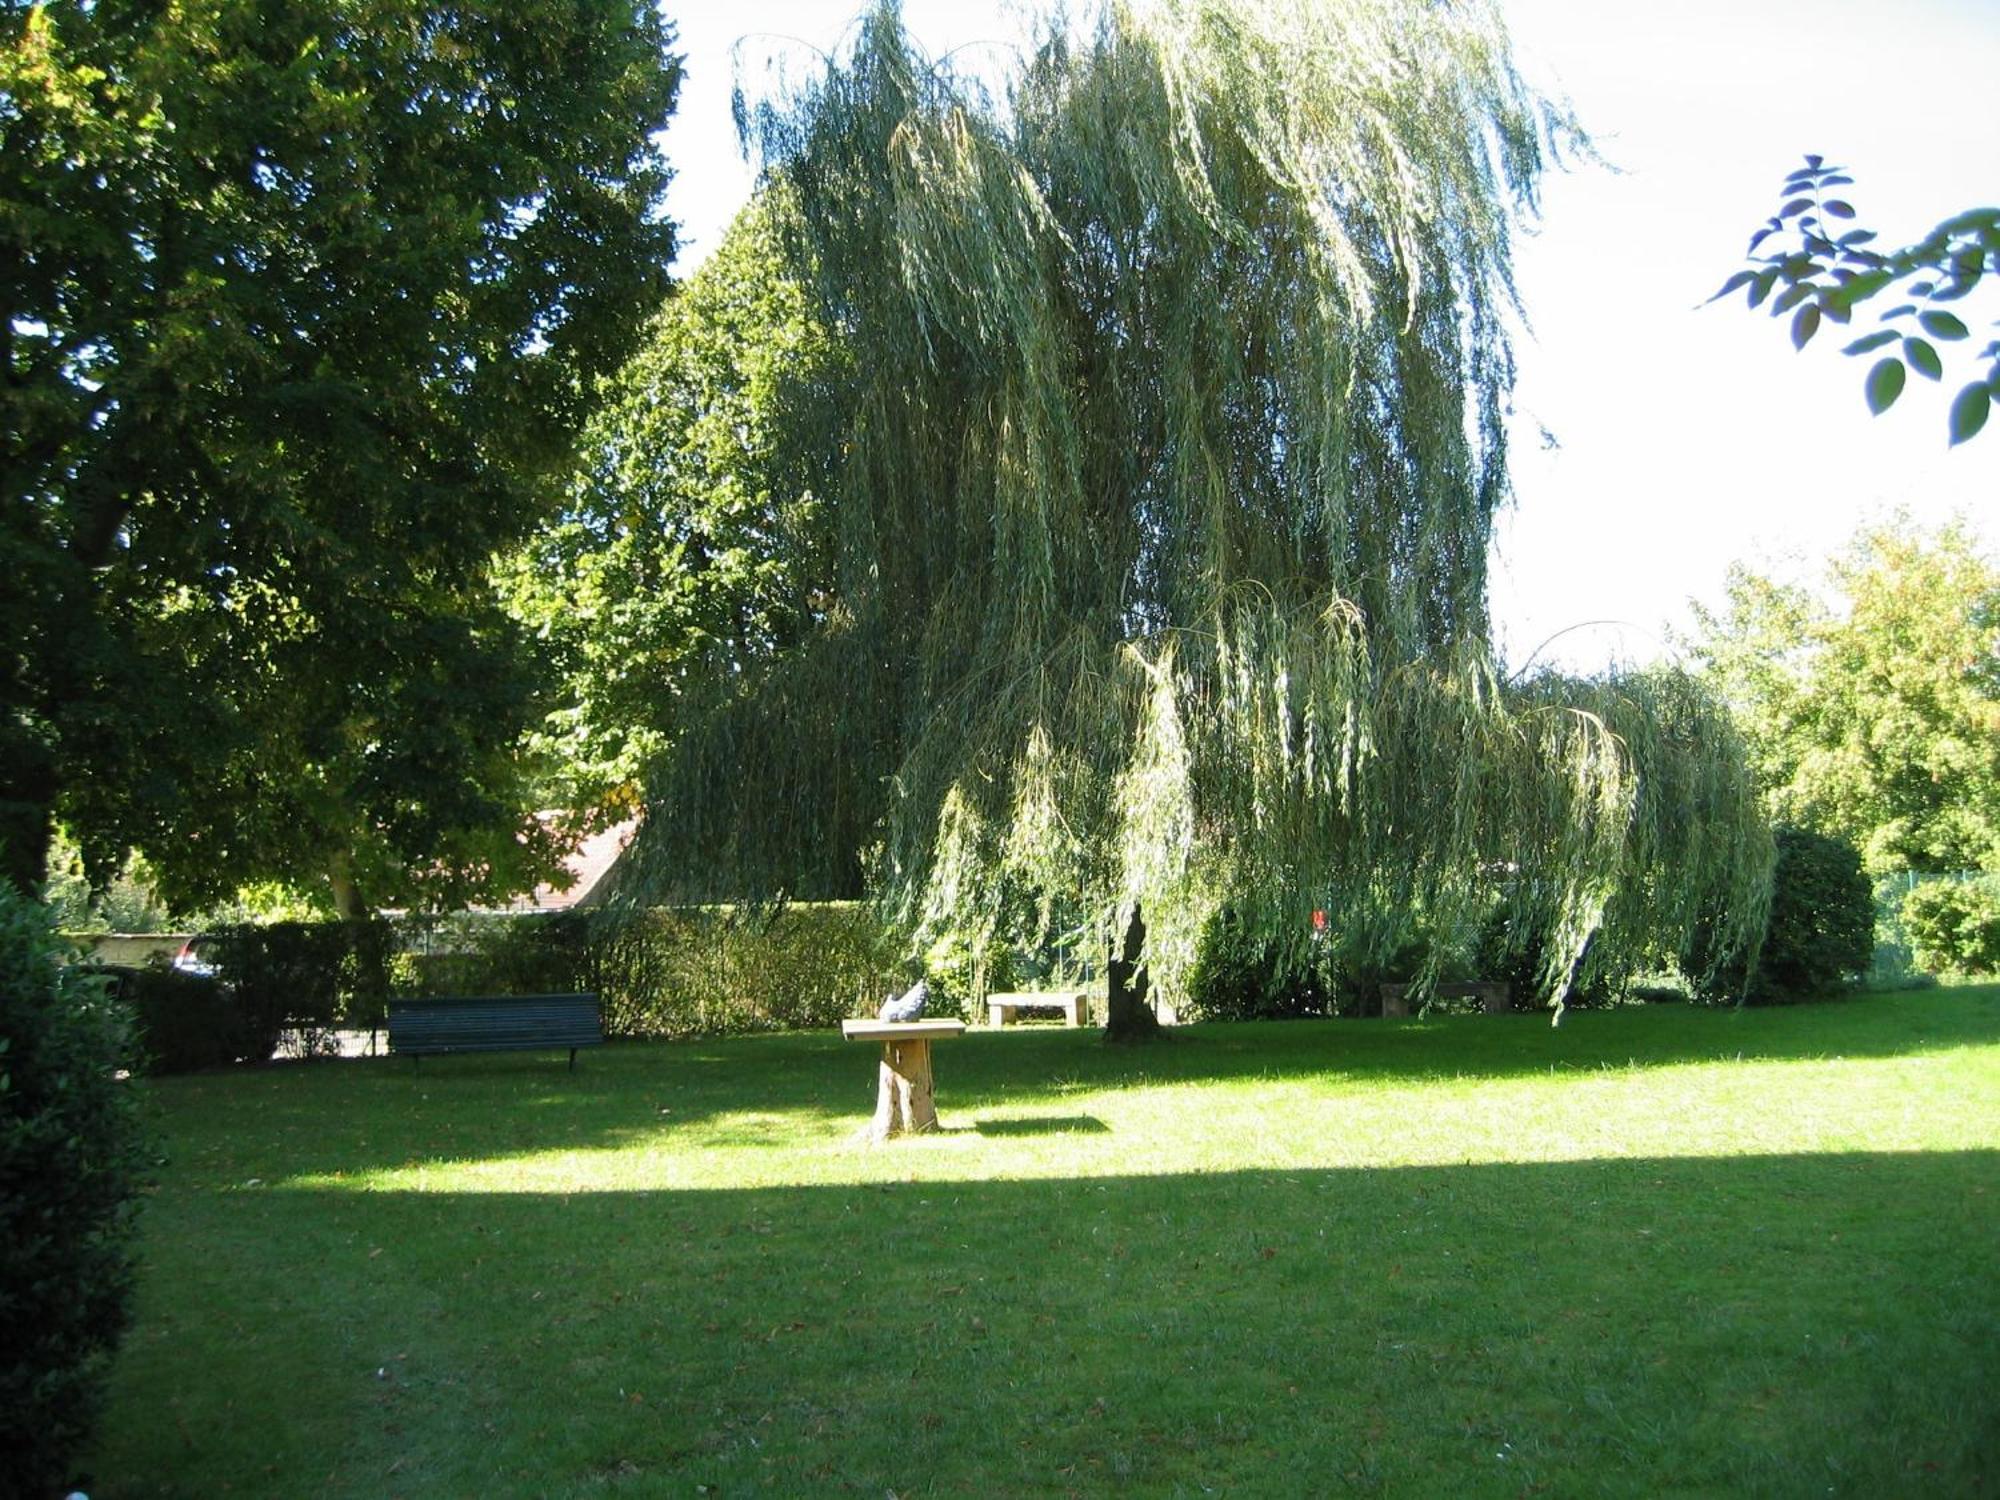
[{"x": 1687, "y": 437}]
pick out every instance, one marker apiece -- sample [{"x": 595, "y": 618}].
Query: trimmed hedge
[
  {"x": 70, "y": 1161},
  {"x": 186, "y": 1022},
  {"x": 671, "y": 972}
]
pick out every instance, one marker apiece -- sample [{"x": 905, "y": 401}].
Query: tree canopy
[
  {"x": 691, "y": 542},
  {"x": 301, "y": 305},
  {"x": 1871, "y": 701},
  {"x": 1161, "y": 522}
]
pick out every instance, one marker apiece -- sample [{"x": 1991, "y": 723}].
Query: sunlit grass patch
[{"x": 1651, "y": 1251}]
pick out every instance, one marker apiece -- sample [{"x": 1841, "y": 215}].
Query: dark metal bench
[{"x": 495, "y": 1023}]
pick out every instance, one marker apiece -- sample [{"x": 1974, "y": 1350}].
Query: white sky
[{"x": 1688, "y": 436}]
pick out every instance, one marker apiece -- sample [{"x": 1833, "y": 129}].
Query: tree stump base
[
  {"x": 905, "y": 1094},
  {"x": 905, "y": 1100}
]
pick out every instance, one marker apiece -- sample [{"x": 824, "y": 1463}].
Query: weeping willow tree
[{"x": 1163, "y": 514}]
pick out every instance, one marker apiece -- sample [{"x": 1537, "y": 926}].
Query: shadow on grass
[
  {"x": 1770, "y": 1325},
  {"x": 1044, "y": 1125},
  {"x": 359, "y": 1115}
]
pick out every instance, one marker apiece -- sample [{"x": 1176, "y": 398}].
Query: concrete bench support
[{"x": 905, "y": 1095}]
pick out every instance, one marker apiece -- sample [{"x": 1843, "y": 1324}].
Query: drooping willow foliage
[{"x": 1164, "y": 513}]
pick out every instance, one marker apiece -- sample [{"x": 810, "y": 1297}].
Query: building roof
[{"x": 588, "y": 868}]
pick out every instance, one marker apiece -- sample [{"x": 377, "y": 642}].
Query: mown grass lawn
[{"x": 1655, "y": 1252}]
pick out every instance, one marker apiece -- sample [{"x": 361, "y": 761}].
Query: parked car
[{"x": 197, "y": 955}]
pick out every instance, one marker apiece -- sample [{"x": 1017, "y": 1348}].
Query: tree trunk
[
  {"x": 905, "y": 1101},
  {"x": 1129, "y": 1015},
  {"x": 27, "y": 810},
  {"x": 347, "y": 902}
]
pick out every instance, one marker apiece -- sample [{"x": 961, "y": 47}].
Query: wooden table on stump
[{"x": 903, "y": 1100}]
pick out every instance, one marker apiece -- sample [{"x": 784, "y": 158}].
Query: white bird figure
[{"x": 908, "y": 1006}]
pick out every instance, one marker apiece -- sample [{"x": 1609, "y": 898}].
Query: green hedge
[
  {"x": 187, "y": 1022},
  {"x": 669, "y": 973}
]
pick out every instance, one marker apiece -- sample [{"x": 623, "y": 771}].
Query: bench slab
[
  {"x": 897, "y": 1031},
  {"x": 1074, "y": 1004}
]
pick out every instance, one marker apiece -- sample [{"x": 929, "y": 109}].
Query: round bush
[
  {"x": 1954, "y": 925},
  {"x": 1820, "y": 936},
  {"x": 69, "y": 1167}
]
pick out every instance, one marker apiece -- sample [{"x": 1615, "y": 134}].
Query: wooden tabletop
[{"x": 896, "y": 1031}]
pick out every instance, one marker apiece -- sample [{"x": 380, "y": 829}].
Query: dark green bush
[
  {"x": 1514, "y": 948},
  {"x": 1820, "y": 936},
  {"x": 303, "y": 981},
  {"x": 185, "y": 1021},
  {"x": 1238, "y": 976},
  {"x": 1954, "y": 925},
  {"x": 69, "y": 1167}
]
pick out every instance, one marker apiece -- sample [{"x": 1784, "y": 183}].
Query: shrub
[
  {"x": 1820, "y": 936},
  {"x": 185, "y": 1022},
  {"x": 1237, "y": 976},
  {"x": 1514, "y": 947},
  {"x": 303, "y": 980},
  {"x": 1954, "y": 925},
  {"x": 69, "y": 1167}
]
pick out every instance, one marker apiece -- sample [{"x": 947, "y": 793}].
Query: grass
[{"x": 1655, "y": 1252}]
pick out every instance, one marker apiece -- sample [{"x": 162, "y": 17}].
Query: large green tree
[
  {"x": 691, "y": 547},
  {"x": 300, "y": 305},
  {"x": 1162, "y": 517},
  {"x": 1871, "y": 699}
]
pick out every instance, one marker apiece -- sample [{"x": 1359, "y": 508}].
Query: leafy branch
[{"x": 1822, "y": 272}]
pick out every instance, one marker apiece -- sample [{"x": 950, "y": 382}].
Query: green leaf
[
  {"x": 1791, "y": 297},
  {"x": 1963, "y": 279},
  {"x": 1969, "y": 411},
  {"x": 1805, "y": 325},
  {"x": 1941, "y": 325},
  {"x": 1839, "y": 208},
  {"x": 1761, "y": 287},
  {"x": 1884, "y": 385},
  {"x": 1741, "y": 278},
  {"x": 1796, "y": 206},
  {"x": 1874, "y": 340},
  {"x": 1923, "y": 358},
  {"x": 1857, "y": 286}
]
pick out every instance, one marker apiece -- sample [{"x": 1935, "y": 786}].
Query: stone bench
[
  {"x": 1495, "y": 997},
  {"x": 1074, "y": 1004}
]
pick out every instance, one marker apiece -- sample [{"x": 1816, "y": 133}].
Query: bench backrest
[{"x": 494, "y": 1023}]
